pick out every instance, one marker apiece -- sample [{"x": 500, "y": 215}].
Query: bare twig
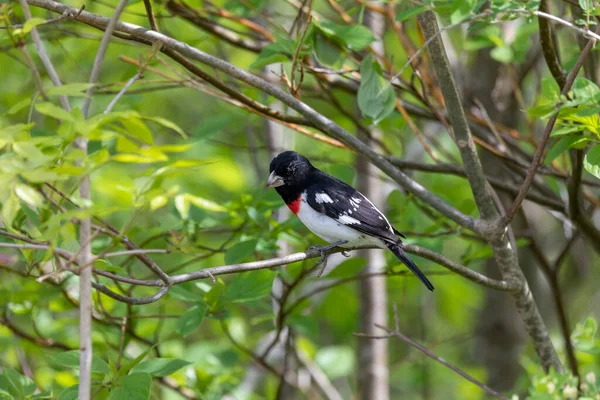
[{"x": 430, "y": 354}]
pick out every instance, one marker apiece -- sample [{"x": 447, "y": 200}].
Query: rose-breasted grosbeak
[{"x": 333, "y": 210}]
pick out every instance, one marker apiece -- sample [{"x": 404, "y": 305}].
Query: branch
[
  {"x": 547, "y": 131},
  {"x": 505, "y": 255},
  {"x": 549, "y": 48},
  {"x": 210, "y": 273},
  {"x": 458, "y": 119},
  {"x": 319, "y": 121}
]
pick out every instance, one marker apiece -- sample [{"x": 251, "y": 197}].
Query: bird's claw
[
  {"x": 323, "y": 251},
  {"x": 345, "y": 254}
]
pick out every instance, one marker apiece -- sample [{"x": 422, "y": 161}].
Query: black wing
[{"x": 343, "y": 203}]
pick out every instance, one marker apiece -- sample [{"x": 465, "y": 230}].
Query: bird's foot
[
  {"x": 323, "y": 251},
  {"x": 345, "y": 254}
]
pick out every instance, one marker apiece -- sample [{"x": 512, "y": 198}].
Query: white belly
[{"x": 331, "y": 230}]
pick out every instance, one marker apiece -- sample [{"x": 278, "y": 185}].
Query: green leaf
[
  {"x": 565, "y": 130},
  {"x": 54, "y": 111},
  {"x": 265, "y": 59},
  {"x": 132, "y": 387},
  {"x": 70, "y": 89},
  {"x": 591, "y": 162},
  {"x": 182, "y": 204},
  {"x": 128, "y": 366},
  {"x": 240, "y": 251},
  {"x": 160, "y": 366},
  {"x": 191, "y": 319},
  {"x": 182, "y": 293},
  {"x": 411, "y": 12},
  {"x": 461, "y": 10},
  {"x": 213, "y": 297},
  {"x": 585, "y": 91},
  {"x": 138, "y": 129},
  {"x": 32, "y": 23},
  {"x": 503, "y": 54},
  {"x": 376, "y": 97},
  {"x": 357, "y": 37},
  {"x": 336, "y": 361},
  {"x": 29, "y": 195},
  {"x": 158, "y": 202},
  {"x": 18, "y": 106},
  {"x": 563, "y": 144},
  {"x": 134, "y": 158},
  {"x": 70, "y": 359},
  {"x": 205, "y": 204},
  {"x": 10, "y": 208},
  {"x": 326, "y": 52},
  {"x": 16, "y": 384},
  {"x": 586, "y": 5},
  {"x": 249, "y": 286},
  {"x": 168, "y": 124}
]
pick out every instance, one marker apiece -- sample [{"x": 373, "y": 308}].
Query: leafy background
[{"x": 174, "y": 166}]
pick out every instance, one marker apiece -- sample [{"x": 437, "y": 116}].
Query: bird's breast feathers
[{"x": 330, "y": 229}]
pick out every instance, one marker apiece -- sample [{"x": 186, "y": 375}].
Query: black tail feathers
[{"x": 398, "y": 252}]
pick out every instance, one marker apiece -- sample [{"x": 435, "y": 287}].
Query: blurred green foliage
[{"x": 175, "y": 168}]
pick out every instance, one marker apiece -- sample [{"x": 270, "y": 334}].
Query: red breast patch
[{"x": 295, "y": 205}]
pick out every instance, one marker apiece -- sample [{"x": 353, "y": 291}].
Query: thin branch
[
  {"x": 150, "y": 14},
  {"x": 428, "y": 353},
  {"x": 97, "y": 67},
  {"x": 42, "y": 50}
]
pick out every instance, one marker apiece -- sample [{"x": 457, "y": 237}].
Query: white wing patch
[
  {"x": 323, "y": 198},
  {"x": 347, "y": 220},
  {"x": 354, "y": 202}
]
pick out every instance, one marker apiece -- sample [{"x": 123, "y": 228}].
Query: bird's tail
[{"x": 398, "y": 252}]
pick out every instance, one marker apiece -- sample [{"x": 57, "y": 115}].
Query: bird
[{"x": 334, "y": 210}]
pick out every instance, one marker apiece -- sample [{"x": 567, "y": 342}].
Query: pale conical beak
[{"x": 274, "y": 180}]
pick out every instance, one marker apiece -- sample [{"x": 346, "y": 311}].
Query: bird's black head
[{"x": 290, "y": 173}]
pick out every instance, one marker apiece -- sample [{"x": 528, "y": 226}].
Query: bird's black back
[{"x": 349, "y": 203}]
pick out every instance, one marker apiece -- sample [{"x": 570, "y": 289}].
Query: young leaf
[
  {"x": 182, "y": 204},
  {"x": 191, "y": 319},
  {"x": 591, "y": 162},
  {"x": 29, "y": 195},
  {"x": 249, "y": 286},
  {"x": 160, "y": 366},
  {"x": 32, "y": 23},
  {"x": 376, "y": 97},
  {"x": 54, "y": 111},
  {"x": 10, "y": 208},
  {"x": 132, "y": 387},
  {"x": 205, "y": 204}
]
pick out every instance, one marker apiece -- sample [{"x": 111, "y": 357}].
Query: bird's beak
[{"x": 274, "y": 180}]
